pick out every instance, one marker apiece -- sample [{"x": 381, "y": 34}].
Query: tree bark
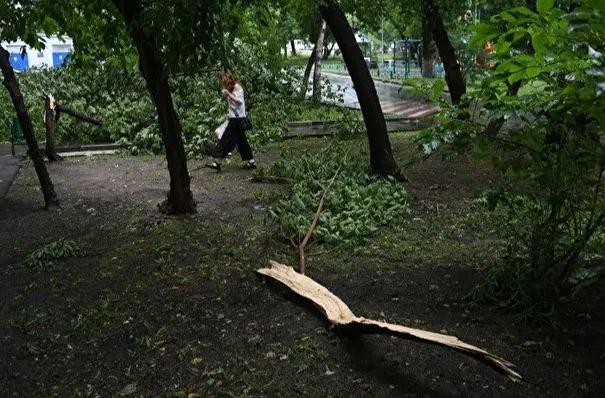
[
  {"x": 319, "y": 46},
  {"x": 179, "y": 200},
  {"x": 292, "y": 47},
  {"x": 381, "y": 156},
  {"x": 12, "y": 85},
  {"x": 428, "y": 53},
  {"x": 307, "y": 75},
  {"x": 79, "y": 116},
  {"x": 328, "y": 48},
  {"x": 447, "y": 53},
  {"x": 49, "y": 124}
]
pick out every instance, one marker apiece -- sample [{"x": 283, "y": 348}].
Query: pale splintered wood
[{"x": 340, "y": 314}]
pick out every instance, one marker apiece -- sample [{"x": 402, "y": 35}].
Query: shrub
[
  {"x": 356, "y": 205},
  {"x": 555, "y": 160}
]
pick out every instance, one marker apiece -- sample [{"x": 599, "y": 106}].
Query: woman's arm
[{"x": 231, "y": 97}]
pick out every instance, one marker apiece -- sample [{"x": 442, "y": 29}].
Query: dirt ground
[{"x": 170, "y": 306}]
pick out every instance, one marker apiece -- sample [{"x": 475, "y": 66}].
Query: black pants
[{"x": 233, "y": 135}]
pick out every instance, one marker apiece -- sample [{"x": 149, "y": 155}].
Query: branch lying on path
[
  {"x": 302, "y": 257},
  {"x": 339, "y": 314}
]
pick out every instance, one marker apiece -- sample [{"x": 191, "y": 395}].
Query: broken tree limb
[
  {"x": 272, "y": 179},
  {"x": 339, "y": 314},
  {"x": 302, "y": 256},
  {"x": 79, "y": 116},
  {"x": 49, "y": 124}
]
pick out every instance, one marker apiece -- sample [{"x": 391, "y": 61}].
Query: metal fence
[
  {"x": 405, "y": 62},
  {"x": 389, "y": 69}
]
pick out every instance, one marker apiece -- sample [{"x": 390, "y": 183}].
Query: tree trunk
[
  {"x": 447, "y": 53},
  {"x": 428, "y": 52},
  {"x": 292, "y": 47},
  {"x": 381, "y": 156},
  {"x": 49, "y": 124},
  {"x": 12, "y": 85},
  {"x": 179, "y": 200},
  {"x": 319, "y": 46},
  {"x": 307, "y": 75},
  {"x": 328, "y": 47}
]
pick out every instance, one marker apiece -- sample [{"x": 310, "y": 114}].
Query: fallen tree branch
[
  {"x": 79, "y": 116},
  {"x": 272, "y": 179},
  {"x": 302, "y": 257},
  {"x": 339, "y": 314}
]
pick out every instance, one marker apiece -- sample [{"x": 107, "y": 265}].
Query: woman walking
[{"x": 235, "y": 132}]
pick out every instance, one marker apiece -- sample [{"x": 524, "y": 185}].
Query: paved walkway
[
  {"x": 408, "y": 108},
  {"x": 9, "y": 166},
  {"x": 394, "y": 98}
]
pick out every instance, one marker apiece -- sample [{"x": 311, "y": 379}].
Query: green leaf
[
  {"x": 509, "y": 66},
  {"x": 539, "y": 43},
  {"x": 544, "y": 6},
  {"x": 522, "y": 74},
  {"x": 129, "y": 389},
  {"x": 502, "y": 45},
  {"x": 484, "y": 29},
  {"x": 508, "y": 17},
  {"x": 533, "y": 71},
  {"x": 523, "y": 11},
  {"x": 438, "y": 87}
]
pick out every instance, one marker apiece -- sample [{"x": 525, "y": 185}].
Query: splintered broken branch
[
  {"x": 339, "y": 314},
  {"x": 302, "y": 256}
]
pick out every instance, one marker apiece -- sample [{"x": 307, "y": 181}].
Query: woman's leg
[
  {"x": 243, "y": 146},
  {"x": 227, "y": 142},
  {"x": 225, "y": 145}
]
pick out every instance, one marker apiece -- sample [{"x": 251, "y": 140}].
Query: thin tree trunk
[
  {"x": 307, "y": 75},
  {"x": 381, "y": 156},
  {"x": 428, "y": 53},
  {"x": 292, "y": 47},
  {"x": 12, "y": 85},
  {"x": 179, "y": 200},
  {"x": 49, "y": 124},
  {"x": 447, "y": 53},
  {"x": 319, "y": 46},
  {"x": 328, "y": 47}
]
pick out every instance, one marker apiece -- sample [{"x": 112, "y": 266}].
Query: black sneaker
[
  {"x": 249, "y": 166},
  {"x": 214, "y": 165}
]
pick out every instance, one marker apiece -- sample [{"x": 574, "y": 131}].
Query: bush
[
  {"x": 555, "y": 160},
  {"x": 356, "y": 205}
]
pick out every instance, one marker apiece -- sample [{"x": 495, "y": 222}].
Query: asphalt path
[
  {"x": 394, "y": 98},
  {"x": 9, "y": 166}
]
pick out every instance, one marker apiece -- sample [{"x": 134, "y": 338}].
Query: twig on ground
[{"x": 302, "y": 257}]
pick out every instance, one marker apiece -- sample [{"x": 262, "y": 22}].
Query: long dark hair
[{"x": 229, "y": 80}]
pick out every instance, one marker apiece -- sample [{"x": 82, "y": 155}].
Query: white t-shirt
[{"x": 234, "y": 109}]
